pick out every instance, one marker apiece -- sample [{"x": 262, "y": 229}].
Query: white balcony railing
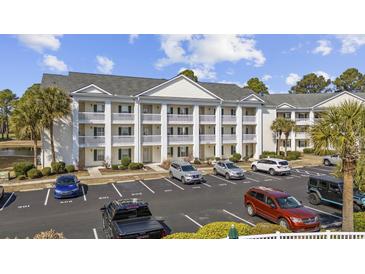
[
  {"x": 229, "y": 138},
  {"x": 180, "y": 118},
  {"x": 91, "y": 141},
  {"x": 248, "y": 138},
  {"x": 180, "y": 139},
  {"x": 120, "y": 140},
  {"x": 91, "y": 117},
  {"x": 302, "y": 120},
  {"x": 151, "y": 139},
  {"x": 328, "y": 235},
  {"x": 302, "y": 135},
  {"x": 151, "y": 117},
  {"x": 123, "y": 117},
  {"x": 229, "y": 119},
  {"x": 207, "y": 119},
  {"x": 207, "y": 138},
  {"x": 248, "y": 119}
]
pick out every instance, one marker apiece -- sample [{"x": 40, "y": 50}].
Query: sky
[{"x": 278, "y": 60}]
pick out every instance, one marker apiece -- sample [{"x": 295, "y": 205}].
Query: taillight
[{"x": 163, "y": 233}]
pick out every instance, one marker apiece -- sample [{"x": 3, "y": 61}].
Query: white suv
[{"x": 271, "y": 165}]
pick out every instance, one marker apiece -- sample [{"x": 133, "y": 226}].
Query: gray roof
[{"x": 131, "y": 86}]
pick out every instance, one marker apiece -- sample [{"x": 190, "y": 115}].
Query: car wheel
[
  {"x": 250, "y": 210},
  {"x": 272, "y": 171},
  {"x": 326, "y": 162},
  {"x": 215, "y": 172},
  {"x": 283, "y": 223},
  {"x": 314, "y": 199},
  {"x": 254, "y": 168},
  {"x": 170, "y": 175},
  {"x": 228, "y": 177},
  {"x": 357, "y": 208},
  {"x": 183, "y": 180}
]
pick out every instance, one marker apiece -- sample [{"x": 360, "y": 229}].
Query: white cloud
[
  {"x": 324, "y": 74},
  {"x": 351, "y": 43},
  {"x": 266, "y": 77},
  {"x": 202, "y": 72},
  {"x": 105, "y": 65},
  {"x": 241, "y": 85},
  {"x": 204, "y": 51},
  {"x": 40, "y": 42},
  {"x": 324, "y": 47},
  {"x": 53, "y": 63},
  {"x": 132, "y": 38},
  {"x": 292, "y": 79}
]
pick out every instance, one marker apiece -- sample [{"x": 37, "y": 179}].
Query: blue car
[{"x": 67, "y": 186}]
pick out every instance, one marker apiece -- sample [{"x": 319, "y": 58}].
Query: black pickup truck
[{"x": 130, "y": 219}]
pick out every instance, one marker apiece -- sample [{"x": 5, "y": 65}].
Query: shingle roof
[
  {"x": 131, "y": 86},
  {"x": 296, "y": 100}
]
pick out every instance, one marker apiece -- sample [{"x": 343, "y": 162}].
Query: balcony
[
  {"x": 249, "y": 138},
  {"x": 151, "y": 118},
  {"x": 302, "y": 121},
  {"x": 91, "y": 117},
  {"x": 123, "y": 140},
  {"x": 302, "y": 135},
  {"x": 248, "y": 119},
  {"x": 207, "y": 138},
  {"x": 92, "y": 141},
  {"x": 123, "y": 118},
  {"x": 180, "y": 118},
  {"x": 229, "y": 138},
  {"x": 207, "y": 119},
  {"x": 180, "y": 139},
  {"x": 229, "y": 119},
  {"x": 151, "y": 139}
]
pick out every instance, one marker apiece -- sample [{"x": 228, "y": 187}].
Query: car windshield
[
  {"x": 65, "y": 181},
  {"x": 288, "y": 202},
  {"x": 283, "y": 163},
  {"x": 231, "y": 166},
  {"x": 188, "y": 168}
]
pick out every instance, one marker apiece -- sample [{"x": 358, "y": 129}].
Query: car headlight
[
  {"x": 296, "y": 220},
  {"x": 316, "y": 219}
]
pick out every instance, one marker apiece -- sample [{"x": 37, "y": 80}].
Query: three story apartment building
[{"x": 151, "y": 120}]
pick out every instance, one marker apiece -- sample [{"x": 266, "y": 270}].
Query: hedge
[
  {"x": 292, "y": 155},
  {"x": 115, "y": 167},
  {"x": 125, "y": 161},
  {"x": 308, "y": 150},
  {"x": 359, "y": 221},
  {"x": 70, "y": 168},
  {"x": 134, "y": 166},
  {"x": 46, "y": 171},
  {"x": 267, "y": 228},
  {"x": 58, "y": 167},
  {"x": 21, "y": 168},
  {"x": 197, "y": 161},
  {"x": 121, "y": 167},
  {"x": 34, "y": 173},
  {"x": 235, "y": 157},
  {"x": 182, "y": 235}
]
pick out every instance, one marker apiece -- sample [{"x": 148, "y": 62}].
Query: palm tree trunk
[
  {"x": 348, "y": 197},
  {"x": 52, "y": 142},
  {"x": 286, "y": 145},
  {"x": 35, "y": 152},
  {"x": 277, "y": 146},
  {"x": 279, "y": 142}
]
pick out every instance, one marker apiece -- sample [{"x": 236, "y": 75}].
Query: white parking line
[
  {"x": 46, "y": 200},
  {"x": 296, "y": 176},
  {"x": 167, "y": 190},
  {"x": 233, "y": 183},
  {"x": 174, "y": 184},
  {"x": 269, "y": 176},
  {"x": 266, "y": 180},
  {"x": 324, "y": 212},
  {"x": 146, "y": 186},
  {"x": 251, "y": 179},
  {"x": 195, "y": 187},
  {"x": 83, "y": 193},
  {"x": 208, "y": 185},
  {"x": 7, "y": 201},
  {"x": 95, "y": 234},
  {"x": 137, "y": 194},
  {"x": 223, "y": 184},
  {"x": 195, "y": 222},
  {"x": 239, "y": 218},
  {"x": 120, "y": 194}
]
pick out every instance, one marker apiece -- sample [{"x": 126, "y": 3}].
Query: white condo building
[{"x": 151, "y": 120}]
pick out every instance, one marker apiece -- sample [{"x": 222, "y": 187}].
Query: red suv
[{"x": 280, "y": 207}]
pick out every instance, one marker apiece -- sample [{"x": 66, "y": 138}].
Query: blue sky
[{"x": 280, "y": 60}]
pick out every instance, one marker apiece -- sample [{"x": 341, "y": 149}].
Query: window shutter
[
  {"x": 120, "y": 109},
  {"x": 129, "y": 109},
  {"x": 95, "y": 131},
  {"x": 130, "y": 153},
  {"x": 187, "y": 151},
  {"x": 178, "y": 151},
  {"x": 186, "y": 110},
  {"x": 95, "y": 108},
  {"x": 178, "y": 111},
  {"x": 130, "y": 131},
  {"x": 119, "y": 131},
  {"x": 95, "y": 154},
  {"x": 222, "y": 150},
  {"x": 120, "y": 154}
]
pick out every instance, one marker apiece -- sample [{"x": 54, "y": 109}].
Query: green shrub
[
  {"x": 219, "y": 230},
  {"x": 135, "y": 166},
  {"x": 308, "y": 150},
  {"x": 121, "y": 167},
  {"x": 34, "y": 173},
  {"x": 270, "y": 154},
  {"x": 182, "y": 235},
  {"x": 217, "y": 158},
  {"x": 22, "y": 168},
  {"x": 46, "y": 171},
  {"x": 58, "y": 167},
  {"x": 293, "y": 155},
  {"x": 197, "y": 161},
  {"x": 22, "y": 177},
  {"x": 125, "y": 161},
  {"x": 359, "y": 221},
  {"x": 70, "y": 168},
  {"x": 114, "y": 167},
  {"x": 267, "y": 228}
]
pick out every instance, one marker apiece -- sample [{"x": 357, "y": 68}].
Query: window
[
  {"x": 287, "y": 115},
  {"x": 287, "y": 143},
  {"x": 252, "y": 193},
  {"x": 182, "y": 151},
  {"x": 323, "y": 184},
  {"x": 313, "y": 182},
  {"x": 233, "y": 130},
  {"x": 124, "y": 152},
  {"x": 260, "y": 197},
  {"x": 302, "y": 115},
  {"x": 233, "y": 150},
  {"x": 334, "y": 187},
  {"x": 270, "y": 202},
  {"x": 125, "y": 131},
  {"x": 98, "y": 131},
  {"x": 170, "y": 110},
  {"x": 170, "y": 152},
  {"x": 183, "y": 131},
  {"x": 125, "y": 109},
  {"x": 302, "y": 143},
  {"x": 99, "y": 107},
  {"x": 170, "y": 131},
  {"x": 99, "y": 155}
]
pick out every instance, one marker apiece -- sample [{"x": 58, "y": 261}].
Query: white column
[
  {"x": 108, "y": 132},
  {"x": 218, "y": 131},
  {"x": 239, "y": 130},
  {"x": 196, "y": 143},
  {"x": 75, "y": 132},
  {"x": 311, "y": 117},
  {"x": 164, "y": 142},
  {"x": 292, "y": 133},
  {"x": 137, "y": 132},
  {"x": 258, "y": 150}
]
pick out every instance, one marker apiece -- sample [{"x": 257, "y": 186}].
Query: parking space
[{"x": 183, "y": 207}]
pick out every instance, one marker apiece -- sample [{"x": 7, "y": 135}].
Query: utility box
[{"x": 4, "y": 175}]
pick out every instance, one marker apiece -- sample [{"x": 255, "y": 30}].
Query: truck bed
[{"x": 138, "y": 226}]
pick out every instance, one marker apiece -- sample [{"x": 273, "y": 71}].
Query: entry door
[{"x": 147, "y": 154}]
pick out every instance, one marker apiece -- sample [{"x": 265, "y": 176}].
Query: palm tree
[
  {"x": 7, "y": 98},
  {"x": 287, "y": 127},
  {"x": 277, "y": 127},
  {"x": 26, "y": 118},
  {"x": 55, "y": 104},
  {"x": 343, "y": 128}
]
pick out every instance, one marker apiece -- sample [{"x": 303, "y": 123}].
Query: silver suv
[
  {"x": 229, "y": 170},
  {"x": 185, "y": 172},
  {"x": 330, "y": 160}
]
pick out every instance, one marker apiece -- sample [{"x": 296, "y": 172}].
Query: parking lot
[{"x": 184, "y": 208}]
